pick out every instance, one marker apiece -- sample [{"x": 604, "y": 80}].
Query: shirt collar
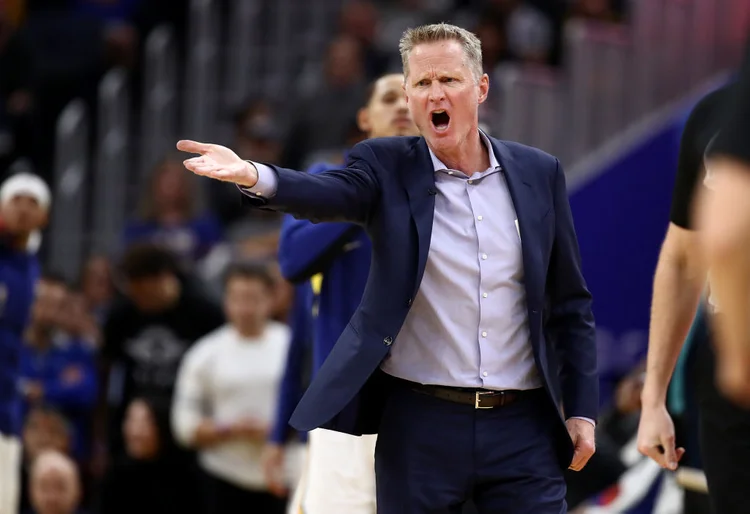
[{"x": 438, "y": 165}]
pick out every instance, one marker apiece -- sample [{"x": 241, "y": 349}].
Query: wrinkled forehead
[{"x": 435, "y": 58}]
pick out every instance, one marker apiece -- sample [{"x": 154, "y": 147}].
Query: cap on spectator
[{"x": 26, "y": 184}]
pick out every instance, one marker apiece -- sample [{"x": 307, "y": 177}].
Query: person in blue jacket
[
  {"x": 340, "y": 474},
  {"x": 24, "y": 206}
]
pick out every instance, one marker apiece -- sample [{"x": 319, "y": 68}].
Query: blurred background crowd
[{"x": 93, "y": 96}]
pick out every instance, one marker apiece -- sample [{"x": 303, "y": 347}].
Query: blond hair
[{"x": 442, "y": 32}]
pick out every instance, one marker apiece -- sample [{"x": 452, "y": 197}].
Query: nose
[{"x": 436, "y": 93}]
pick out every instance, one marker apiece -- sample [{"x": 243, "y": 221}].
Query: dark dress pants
[{"x": 433, "y": 456}]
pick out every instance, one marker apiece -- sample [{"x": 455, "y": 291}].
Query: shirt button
[
  {"x": 484, "y": 374},
  {"x": 484, "y": 295},
  {"x": 471, "y": 181},
  {"x": 479, "y": 218},
  {"x": 388, "y": 341},
  {"x": 484, "y": 334},
  {"x": 484, "y": 256},
  {"x": 257, "y": 194}
]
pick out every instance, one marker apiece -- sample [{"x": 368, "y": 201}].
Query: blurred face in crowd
[
  {"x": 386, "y": 114},
  {"x": 50, "y": 305},
  {"x": 44, "y": 431},
  {"x": 171, "y": 187},
  {"x": 443, "y": 94},
  {"x": 344, "y": 61},
  {"x": 247, "y": 303},
  {"x": 22, "y": 215},
  {"x": 55, "y": 487},
  {"x": 154, "y": 294},
  {"x": 140, "y": 431},
  {"x": 97, "y": 281}
]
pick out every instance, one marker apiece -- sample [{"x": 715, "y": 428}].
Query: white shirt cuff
[
  {"x": 585, "y": 419},
  {"x": 266, "y": 185}
]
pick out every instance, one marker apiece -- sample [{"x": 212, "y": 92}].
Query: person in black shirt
[
  {"x": 147, "y": 332},
  {"x": 725, "y": 219},
  {"x": 680, "y": 280}
]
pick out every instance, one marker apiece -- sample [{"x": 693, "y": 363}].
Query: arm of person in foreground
[
  {"x": 571, "y": 326},
  {"x": 678, "y": 283},
  {"x": 347, "y": 194}
]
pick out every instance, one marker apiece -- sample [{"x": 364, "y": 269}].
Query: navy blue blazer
[{"x": 388, "y": 186}]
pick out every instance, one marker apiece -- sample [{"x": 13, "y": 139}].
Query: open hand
[
  {"x": 218, "y": 162},
  {"x": 582, "y": 434}
]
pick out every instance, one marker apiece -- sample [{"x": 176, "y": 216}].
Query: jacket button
[
  {"x": 408, "y": 302},
  {"x": 388, "y": 341}
]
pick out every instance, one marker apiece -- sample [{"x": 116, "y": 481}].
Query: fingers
[
  {"x": 187, "y": 145},
  {"x": 670, "y": 453},
  {"x": 584, "y": 449}
]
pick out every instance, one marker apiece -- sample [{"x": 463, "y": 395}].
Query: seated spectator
[
  {"x": 164, "y": 311},
  {"x": 169, "y": 215},
  {"x": 55, "y": 486},
  {"x": 97, "y": 287},
  {"x": 44, "y": 429},
  {"x": 153, "y": 476},
  {"x": 226, "y": 396},
  {"x": 57, "y": 368}
]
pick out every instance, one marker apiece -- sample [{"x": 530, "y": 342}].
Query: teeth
[{"x": 438, "y": 112}]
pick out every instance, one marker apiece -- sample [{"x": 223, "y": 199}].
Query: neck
[
  {"x": 250, "y": 330},
  {"x": 468, "y": 157},
  {"x": 18, "y": 241}
]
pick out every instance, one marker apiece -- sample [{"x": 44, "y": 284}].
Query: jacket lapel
[
  {"x": 527, "y": 211},
  {"x": 419, "y": 182}
]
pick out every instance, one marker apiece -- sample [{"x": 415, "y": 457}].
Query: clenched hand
[
  {"x": 582, "y": 434},
  {"x": 656, "y": 437}
]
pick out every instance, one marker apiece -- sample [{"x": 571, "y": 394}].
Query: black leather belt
[{"x": 479, "y": 398}]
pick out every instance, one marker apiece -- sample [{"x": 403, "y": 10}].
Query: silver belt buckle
[{"x": 477, "y": 400}]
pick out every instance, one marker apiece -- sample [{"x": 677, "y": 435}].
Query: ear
[
  {"x": 484, "y": 87},
  {"x": 406, "y": 93},
  {"x": 363, "y": 120}
]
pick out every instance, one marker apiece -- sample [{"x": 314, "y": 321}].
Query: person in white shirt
[{"x": 226, "y": 394}]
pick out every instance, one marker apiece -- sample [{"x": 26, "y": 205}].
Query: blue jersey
[
  {"x": 336, "y": 258},
  {"x": 19, "y": 272}
]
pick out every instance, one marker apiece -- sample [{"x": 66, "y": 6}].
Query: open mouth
[{"x": 440, "y": 120}]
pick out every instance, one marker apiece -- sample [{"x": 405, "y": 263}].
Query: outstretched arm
[{"x": 348, "y": 194}]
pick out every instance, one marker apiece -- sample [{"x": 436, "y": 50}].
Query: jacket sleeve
[
  {"x": 571, "y": 321},
  {"x": 347, "y": 194}
]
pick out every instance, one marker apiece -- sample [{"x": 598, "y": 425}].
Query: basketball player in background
[
  {"x": 24, "y": 206},
  {"x": 340, "y": 473}
]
